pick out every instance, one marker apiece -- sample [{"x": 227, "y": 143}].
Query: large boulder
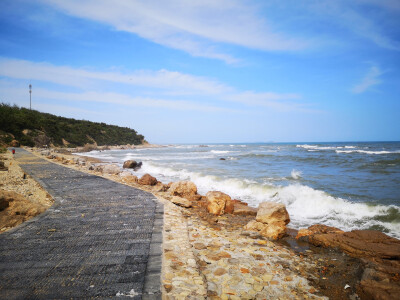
[
  {"x": 147, "y": 179},
  {"x": 130, "y": 164},
  {"x": 217, "y": 202},
  {"x": 271, "y": 220},
  {"x": 111, "y": 169},
  {"x": 184, "y": 189},
  {"x": 271, "y": 212}
]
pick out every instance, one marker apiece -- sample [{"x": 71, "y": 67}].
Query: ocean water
[{"x": 346, "y": 185}]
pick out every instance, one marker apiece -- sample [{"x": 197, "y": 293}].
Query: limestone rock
[
  {"x": 111, "y": 169},
  {"x": 130, "y": 164},
  {"x": 147, "y": 179},
  {"x": 270, "y": 221},
  {"x": 160, "y": 187},
  {"x": 185, "y": 189},
  {"x": 244, "y": 210},
  {"x": 360, "y": 243},
  {"x": 124, "y": 174},
  {"x": 216, "y": 202},
  {"x": 317, "y": 229},
  {"x": 271, "y": 212},
  {"x": 127, "y": 177},
  {"x": 181, "y": 202}
]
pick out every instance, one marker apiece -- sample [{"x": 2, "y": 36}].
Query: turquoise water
[{"x": 346, "y": 185}]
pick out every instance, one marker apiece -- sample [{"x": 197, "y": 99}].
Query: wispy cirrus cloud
[
  {"x": 371, "y": 20},
  {"x": 198, "y": 27},
  {"x": 163, "y": 79},
  {"x": 371, "y": 78}
]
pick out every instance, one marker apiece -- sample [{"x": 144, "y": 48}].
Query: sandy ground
[{"x": 28, "y": 197}]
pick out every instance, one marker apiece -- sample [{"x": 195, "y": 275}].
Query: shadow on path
[{"x": 101, "y": 239}]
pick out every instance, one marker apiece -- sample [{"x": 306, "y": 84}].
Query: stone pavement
[{"x": 100, "y": 239}]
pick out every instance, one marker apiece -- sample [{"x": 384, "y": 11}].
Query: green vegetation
[{"x": 33, "y": 128}]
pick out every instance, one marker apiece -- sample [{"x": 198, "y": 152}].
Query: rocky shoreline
[{"x": 218, "y": 248}]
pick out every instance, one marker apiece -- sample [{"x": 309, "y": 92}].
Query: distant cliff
[{"x": 33, "y": 128}]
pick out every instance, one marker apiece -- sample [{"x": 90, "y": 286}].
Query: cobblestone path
[{"x": 100, "y": 239}]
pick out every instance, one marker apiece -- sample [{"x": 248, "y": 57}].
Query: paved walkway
[{"x": 100, "y": 239}]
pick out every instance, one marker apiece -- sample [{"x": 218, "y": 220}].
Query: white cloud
[
  {"x": 162, "y": 85},
  {"x": 370, "y": 79},
  {"x": 177, "y": 82},
  {"x": 19, "y": 93},
  {"x": 196, "y": 26}
]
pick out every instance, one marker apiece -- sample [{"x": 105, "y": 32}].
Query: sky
[{"x": 206, "y": 71}]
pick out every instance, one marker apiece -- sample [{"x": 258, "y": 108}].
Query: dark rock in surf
[
  {"x": 130, "y": 164},
  {"x": 138, "y": 166}
]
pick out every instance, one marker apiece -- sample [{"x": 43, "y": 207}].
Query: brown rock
[
  {"x": 272, "y": 231},
  {"x": 360, "y": 243},
  {"x": 130, "y": 179},
  {"x": 316, "y": 229},
  {"x": 219, "y": 272},
  {"x": 14, "y": 143},
  {"x": 2, "y": 166},
  {"x": 271, "y": 212},
  {"x": 379, "y": 252},
  {"x": 181, "y": 202},
  {"x": 229, "y": 207},
  {"x": 160, "y": 187},
  {"x": 216, "y": 202},
  {"x": 183, "y": 189},
  {"x": 244, "y": 210},
  {"x": 130, "y": 164},
  {"x": 147, "y": 179},
  {"x": 199, "y": 246}
]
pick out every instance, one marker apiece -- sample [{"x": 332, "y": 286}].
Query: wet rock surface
[{"x": 379, "y": 253}]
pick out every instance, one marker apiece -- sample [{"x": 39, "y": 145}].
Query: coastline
[{"x": 204, "y": 255}]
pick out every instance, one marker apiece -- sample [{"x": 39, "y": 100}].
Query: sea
[{"x": 349, "y": 185}]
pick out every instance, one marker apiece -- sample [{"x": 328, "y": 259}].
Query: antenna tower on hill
[{"x": 30, "y": 96}]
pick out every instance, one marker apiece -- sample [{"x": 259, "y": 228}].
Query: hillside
[{"x": 34, "y": 128}]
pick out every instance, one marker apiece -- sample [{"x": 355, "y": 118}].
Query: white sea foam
[
  {"x": 305, "y": 205},
  {"x": 368, "y": 152},
  {"x": 296, "y": 174},
  {"x": 220, "y": 151}
]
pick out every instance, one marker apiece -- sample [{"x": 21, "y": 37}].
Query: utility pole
[{"x": 30, "y": 96}]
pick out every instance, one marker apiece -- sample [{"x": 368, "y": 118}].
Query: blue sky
[{"x": 209, "y": 71}]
